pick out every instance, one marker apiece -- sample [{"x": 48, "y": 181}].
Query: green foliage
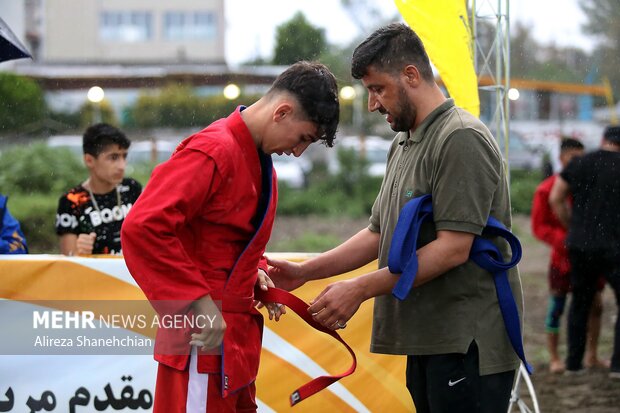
[
  {"x": 91, "y": 113},
  {"x": 339, "y": 62},
  {"x": 37, "y": 168},
  {"x": 308, "y": 242},
  {"x": 297, "y": 40},
  {"x": 178, "y": 106},
  {"x": 533, "y": 60},
  {"x": 351, "y": 192},
  {"x": 141, "y": 172},
  {"x": 35, "y": 176},
  {"x": 73, "y": 120},
  {"x": 522, "y": 187},
  {"x": 21, "y": 102},
  {"x": 603, "y": 21},
  {"x": 36, "y": 214}
]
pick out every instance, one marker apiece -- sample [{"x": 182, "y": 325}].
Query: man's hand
[
  {"x": 85, "y": 243},
  {"x": 337, "y": 304},
  {"x": 275, "y": 310},
  {"x": 286, "y": 274},
  {"x": 212, "y": 334}
]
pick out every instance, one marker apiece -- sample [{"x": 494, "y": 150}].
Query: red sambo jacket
[
  {"x": 193, "y": 232},
  {"x": 546, "y": 226}
]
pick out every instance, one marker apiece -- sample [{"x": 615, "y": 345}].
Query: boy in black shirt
[{"x": 90, "y": 215}]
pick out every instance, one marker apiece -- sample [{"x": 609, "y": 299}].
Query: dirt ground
[{"x": 592, "y": 392}]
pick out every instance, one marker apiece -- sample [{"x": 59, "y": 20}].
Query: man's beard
[{"x": 407, "y": 114}]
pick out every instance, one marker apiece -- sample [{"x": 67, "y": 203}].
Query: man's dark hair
[
  {"x": 315, "y": 88},
  {"x": 612, "y": 134},
  {"x": 570, "y": 143},
  {"x": 389, "y": 49},
  {"x": 98, "y": 136}
]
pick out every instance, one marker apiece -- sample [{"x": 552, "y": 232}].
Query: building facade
[{"x": 125, "y": 31}]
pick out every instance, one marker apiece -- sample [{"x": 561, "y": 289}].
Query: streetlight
[
  {"x": 513, "y": 94},
  {"x": 347, "y": 93},
  {"x": 95, "y": 96},
  {"x": 355, "y": 94},
  {"x": 231, "y": 91}
]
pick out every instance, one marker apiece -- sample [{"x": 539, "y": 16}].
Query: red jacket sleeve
[
  {"x": 545, "y": 226},
  {"x": 153, "y": 251},
  {"x": 262, "y": 265}
]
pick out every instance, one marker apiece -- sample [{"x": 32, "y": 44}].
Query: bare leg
[
  {"x": 591, "y": 359},
  {"x": 556, "y": 365},
  {"x": 552, "y": 323}
]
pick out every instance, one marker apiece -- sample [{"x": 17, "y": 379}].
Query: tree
[
  {"x": 21, "y": 102},
  {"x": 297, "y": 40},
  {"x": 603, "y": 21},
  {"x": 37, "y": 168},
  {"x": 177, "y": 105},
  {"x": 96, "y": 112},
  {"x": 530, "y": 59}
]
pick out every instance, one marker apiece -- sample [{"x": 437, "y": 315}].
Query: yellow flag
[{"x": 443, "y": 26}]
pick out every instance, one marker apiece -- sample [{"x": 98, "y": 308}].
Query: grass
[{"x": 307, "y": 242}]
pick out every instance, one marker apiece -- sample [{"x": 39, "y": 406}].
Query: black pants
[
  {"x": 586, "y": 266},
  {"x": 452, "y": 383}
]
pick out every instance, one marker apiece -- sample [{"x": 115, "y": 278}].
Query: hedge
[{"x": 35, "y": 176}]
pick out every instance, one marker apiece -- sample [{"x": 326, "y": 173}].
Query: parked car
[
  {"x": 375, "y": 151},
  {"x": 154, "y": 151},
  {"x": 71, "y": 142},
  {"x": 520, "y": 154},
  {"x": 291, "y": 171}
]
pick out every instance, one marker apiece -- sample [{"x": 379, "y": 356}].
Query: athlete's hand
[
  {"x": 211, "y": 334},
  {"x": 85, "y": 243},
  {"x": 275, "y": 310},
  {"x": 286, "y": 274}
]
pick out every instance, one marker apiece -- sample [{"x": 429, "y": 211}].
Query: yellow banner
[
  {"x": 443, "y": 26},
  {"x": 293, "y": 352}
]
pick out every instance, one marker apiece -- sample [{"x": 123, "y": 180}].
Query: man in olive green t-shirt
[{"x": 459, "y": 357}]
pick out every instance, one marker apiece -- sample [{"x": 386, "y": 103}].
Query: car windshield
[
  {"x": 376, "y": 155},
  {"x": 515, "y": 143}
]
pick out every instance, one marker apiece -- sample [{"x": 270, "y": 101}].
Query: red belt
[
  {"x": 232, "y": 303},
  {"x": 276, "y": 295}
]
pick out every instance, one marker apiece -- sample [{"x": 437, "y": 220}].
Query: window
[
  {"x": 198, "y": 25},
  {"x": 125, "y": 26}
]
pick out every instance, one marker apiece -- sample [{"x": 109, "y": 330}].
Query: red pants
[{"x": 192, "y": 392}]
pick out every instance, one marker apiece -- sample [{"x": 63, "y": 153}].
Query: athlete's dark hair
[
  {"x": 570, "y": 143},
  {"x": 612, "y": 134},
  {"x": 98, "y": 136},
  {"x": 389, "y": 49},
  {"x": 316, "y": 90}
]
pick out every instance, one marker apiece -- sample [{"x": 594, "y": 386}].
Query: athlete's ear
[
  {"x": 283, "y": 110},
  {"x": 89, "y": 160},
  {"x": 412, "y": 74}
]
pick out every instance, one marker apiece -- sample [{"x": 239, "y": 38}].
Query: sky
[{"x": 251, "y": 25}]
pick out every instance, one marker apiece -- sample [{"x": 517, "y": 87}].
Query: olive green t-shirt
[{"x": 453, "y": 157}]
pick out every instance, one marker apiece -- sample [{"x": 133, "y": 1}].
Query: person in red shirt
[
  {"x": 197, "y": 234},
  {"x": 547, "y": 228}
]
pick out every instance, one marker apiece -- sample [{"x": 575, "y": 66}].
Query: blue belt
[{"x": 403, "y": 259}]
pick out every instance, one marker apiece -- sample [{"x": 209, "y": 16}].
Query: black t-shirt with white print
[{"x": 77, "y": 214}]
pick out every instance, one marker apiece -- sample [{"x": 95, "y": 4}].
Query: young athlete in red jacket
[{"x": 198, "y": 232}]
